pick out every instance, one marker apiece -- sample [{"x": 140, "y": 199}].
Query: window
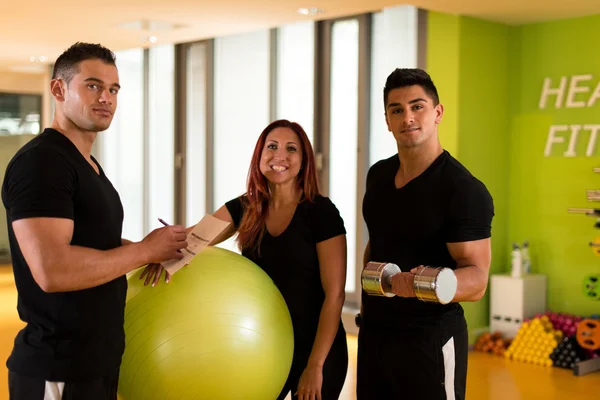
[
  {"x": 137, "y": 151},
  {"x": 122, "y": 145},
  {"x": 393, "y": 45},
  {"x": 160, "y": 155},
  {"x": 20, "y": 114},
  {"x": 295, "y": 74},
  {"x": 344, "y": 132},
  {"x": 241, "y": 107},
  {"x": 19, "y": 121},
  {"x": 196, "y": 133}
]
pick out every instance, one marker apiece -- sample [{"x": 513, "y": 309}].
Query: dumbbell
[
  {"x": 437, "y": 285},
  {"x": 376, "y": 278}
]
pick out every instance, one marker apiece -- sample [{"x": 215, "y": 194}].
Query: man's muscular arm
[{"x": 473, "y": 261}]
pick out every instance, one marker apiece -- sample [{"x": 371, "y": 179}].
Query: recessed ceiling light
[
  {"x": 310, "y": 11},
  {"x": 38, "y": 59},
  {"x": 150, "y": 25}
]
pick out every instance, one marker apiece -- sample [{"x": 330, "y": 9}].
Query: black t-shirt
[
  {"x": 292, "y": 262},
  {"x": 69, "y": 335},
  {"x": 411, "y": 226}
]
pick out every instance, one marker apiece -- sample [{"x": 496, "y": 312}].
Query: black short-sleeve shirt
[
  {"x": 411, "y": 226},
  {"x": 73, "y": 335},
  {"x": 291, "y": 259}
]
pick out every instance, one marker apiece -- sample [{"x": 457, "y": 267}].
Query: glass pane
[
  {"x": 20, "y": 114},
  {"x": 241, "y": 107},
  {"x": 161, "y": 135},
  {"x": 195, "y": 150},
  {"x": 388, "y": 53},
  {"x": 122, "y": 145},
  {"x": 19, "y": 123},
  {"x": 344, "y": 132},
  {"x": 295, "y": 74}
]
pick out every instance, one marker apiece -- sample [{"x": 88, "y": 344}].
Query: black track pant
[
  {"x": 426, "y": 364},
  {"x": 334, "y": 369},
  {"x": 21, "y": 387}
]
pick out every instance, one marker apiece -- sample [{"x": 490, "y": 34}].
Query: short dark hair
[
  {"x": 67, "y": 64},
  {"x": 402, "y": 77}
]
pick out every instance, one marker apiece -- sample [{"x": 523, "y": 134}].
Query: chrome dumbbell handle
[{"x": 376, "y": 278}]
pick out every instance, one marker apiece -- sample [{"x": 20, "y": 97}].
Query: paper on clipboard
[{"x": 203, "y": 233}]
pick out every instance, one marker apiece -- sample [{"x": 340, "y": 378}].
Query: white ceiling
[{"x": 45, "y": 28}]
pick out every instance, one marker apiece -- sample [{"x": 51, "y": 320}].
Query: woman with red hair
[{"x": 298, "y": 238}]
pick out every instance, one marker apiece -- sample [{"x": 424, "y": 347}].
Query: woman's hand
[
  {"x": 309, "y": 385},
  {"x": 153, "y": 272}
]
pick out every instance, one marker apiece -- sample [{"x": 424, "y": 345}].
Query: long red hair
[{"x": 256, "y": 200}]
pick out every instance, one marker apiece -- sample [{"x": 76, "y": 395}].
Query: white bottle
[
  {"x": 517, "y": 262},
  {"x": 526, "y": 258}
]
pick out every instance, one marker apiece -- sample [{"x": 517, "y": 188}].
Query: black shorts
[
  {"x": 413, "y": 363},
  {"x": 21, "y": 387}
]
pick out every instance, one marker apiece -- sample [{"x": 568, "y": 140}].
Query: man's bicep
[
  {"x": 41, "y": 240},
  {"x": 472, "y": 253}
]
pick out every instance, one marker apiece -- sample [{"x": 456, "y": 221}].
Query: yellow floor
[{"x": 489, "y": 378}]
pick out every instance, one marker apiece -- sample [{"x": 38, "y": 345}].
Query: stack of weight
[
  {"x": 568, "y": 353},
  {"x": 534, "y": 342},
  {"x": 492, "y": 343},
  {"x": 566, "y": 323}
]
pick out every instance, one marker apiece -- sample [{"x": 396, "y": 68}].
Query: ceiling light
[
  {"x": 150, "y": 25},
  {"x": 152, "y": 39},
  {"x": 38, "y": 59},
  {"x": 310, "y": 11}
]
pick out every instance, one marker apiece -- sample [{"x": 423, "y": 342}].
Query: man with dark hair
[
  {"x": 427, "y": 214},
  {"x": 66, "y": 65},
  {"x": 69, "y": 260}
]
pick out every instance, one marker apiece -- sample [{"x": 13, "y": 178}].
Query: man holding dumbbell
[{"x": 429, "y": 216}]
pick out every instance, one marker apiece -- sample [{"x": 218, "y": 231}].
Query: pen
[{"x": 162, "y": 221}]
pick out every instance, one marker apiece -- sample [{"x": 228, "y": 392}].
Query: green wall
[
  {"x": 463, "y": 53},
  {"x": 490, "y": 78},
  {"x": 442, "y": 64},
  {"x": 542, "y": 188}
]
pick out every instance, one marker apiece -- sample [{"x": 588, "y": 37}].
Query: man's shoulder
[
  {"x": 382, "y": 166},
  {"x": 457, "y": 174},
  {"x": 461, "y": 182},
  {"x": 386, "y": 162},
  {"x": 42, "y": 157},
  {"x": 46, "y": 145}
]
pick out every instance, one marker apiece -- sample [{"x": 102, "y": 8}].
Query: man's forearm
[
  {"x": 76, "y": 268},
  {"x": 472, "y": 283}
]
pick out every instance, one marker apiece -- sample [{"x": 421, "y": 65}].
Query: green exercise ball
[{"x": 219, "y": 330}]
